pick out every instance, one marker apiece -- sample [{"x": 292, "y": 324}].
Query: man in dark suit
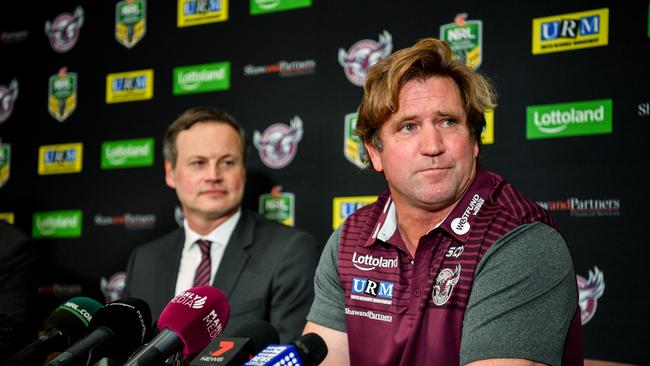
[{"x": 265, "y": 269}]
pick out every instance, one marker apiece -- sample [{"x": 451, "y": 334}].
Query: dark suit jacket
[{"x": 267, "y": 272}]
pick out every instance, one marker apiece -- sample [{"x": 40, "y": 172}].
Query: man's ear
[
  {"x": 373, "y": 155},
  {"x": 169, "y": 175}
]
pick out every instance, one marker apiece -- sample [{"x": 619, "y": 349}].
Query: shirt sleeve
[
  {"x": 328, "y": 308},
  {"x": 523, "y": 298}
]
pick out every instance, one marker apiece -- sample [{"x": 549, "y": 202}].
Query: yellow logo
[
  {"x": 196, "y": 12},
  {"x": 571, "y": 31},
  {"x": 342, "y": 207},
  {"x": 129, "y": 86},
  {"x": 60, "y": 159},
  {"x": 7, "y": 216},
  {"x": 487, "y": 135}
]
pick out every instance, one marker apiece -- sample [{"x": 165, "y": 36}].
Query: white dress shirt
[{"x": 191, "y": 256}]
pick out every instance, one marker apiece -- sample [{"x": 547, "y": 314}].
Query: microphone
[
  {"x": 64, "y": 325},
  {"x": 116, "y": 330},
  {"x": 308, "y": 350},
  {"x": 237, "y": 346},
  {"x": 188, "y": 323}
]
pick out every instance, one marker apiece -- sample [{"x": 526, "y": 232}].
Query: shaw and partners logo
[
  {"x": 60, "y": 159},
  {"x": 57, "y": 224},
  {"x": 362, "y": 55},
  {"x": 342, "y": 207},
  {"x": 368, "y": 262},
  {"x": 129, "y": 86},
  {"x": 127, "y": 153},
  {"x": 190, "y": 299},
  {"x": 130, "y": 22},
  {"x": 460, "y": 225},
  {"x": 364, "y": 289},
  {"x": 589, "y": 291},
  {"x": 202, "y": 78},
  {"x": 129, "y": 220},
  {"x": 271, "y": 6},
  {"x": 63, "y": 31},
  {"x": 283, "y": 68},
  {"x": 196, "y": 12},
  {"x": 369, "y": 314},
  {"x": 577, "y": 207},
  {"x": 591, "y": 117},
  {"x": 571, "y": 31}
]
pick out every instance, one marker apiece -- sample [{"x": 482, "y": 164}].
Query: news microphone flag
[{"x": 308, "y": 350}]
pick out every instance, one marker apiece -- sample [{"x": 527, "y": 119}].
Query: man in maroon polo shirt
[{"x": 451, "y": 265}]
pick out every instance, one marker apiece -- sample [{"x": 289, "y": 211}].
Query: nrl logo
[
  {"x": 64, "y": 31},
  {"x": 5, "y": 163},
  {"x": 465, "y": 37},
  {"x": 130, "y": 22},
  {"x": 362, "y": 55},
  {"x": 278, "y": 144},
  {"x": 7, "y": 99},
  {"x": 353, "y": 148},
  {"x": 444, "y": 286},
  {"x": 62, "y": 94},
  {"x": 589, "y": 291}
]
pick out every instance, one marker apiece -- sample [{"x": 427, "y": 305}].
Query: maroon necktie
[{"x": 202, "y": 275}]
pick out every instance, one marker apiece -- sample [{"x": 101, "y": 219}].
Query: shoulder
[
  {"x": 165, "y": 242},
  {"x": 11, "y": 234}
]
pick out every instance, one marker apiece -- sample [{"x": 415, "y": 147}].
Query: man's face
[
  {"x": 209, "y": 176},
  {"x": 428, "y": 157}
]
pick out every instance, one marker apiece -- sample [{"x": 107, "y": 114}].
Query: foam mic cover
[
  {"x": 116, "y": 330},
  {"x": 65, "y": 325},
  {"x": 188, "y": 323},
  {"x": 236, "y": 346},
  {"x": 308, "y": 350}
]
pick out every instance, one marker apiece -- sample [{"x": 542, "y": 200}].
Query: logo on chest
[
  {"x": 445, "y": 282},
  {"x": 364, "y": 289},
  {"x": 368, "y": 262}
]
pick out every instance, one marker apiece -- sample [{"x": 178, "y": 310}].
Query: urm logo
[
  {"x": 571, "y": 28},
  {"x": 373, "y": 288}
]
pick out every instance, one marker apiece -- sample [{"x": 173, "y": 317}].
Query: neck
[{"x": 414, "y": 223}]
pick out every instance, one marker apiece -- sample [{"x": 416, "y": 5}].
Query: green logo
[
  {"x": 272, "y": 6},
  {"x": 278, "y": 206},
  {"x": 353, "y": 148},
  {"x": 57, "y": 224},
  {"x": 127, "y": 153},
  {"x": 591, "y": 117},
  {"x": 465, "y": 37},
  {"x": 202, "y": 78},
  {"x": 62, "y": 94},
  {"x": 5, "y": 163},
  {"x": 130, "y": 22}
]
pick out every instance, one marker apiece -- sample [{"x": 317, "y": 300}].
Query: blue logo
[
  {"x": 571, "y": 28},
  {"x": 60, "y": 156},
  {"x": 373, "y": 288},
  {"x": 121, "y": 84}
]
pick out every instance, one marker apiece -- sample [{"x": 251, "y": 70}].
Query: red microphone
[{"x": 188, "y": 323}]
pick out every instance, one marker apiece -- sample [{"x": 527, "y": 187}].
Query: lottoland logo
[
  {"x": 57, "y": 224},
  {"x": 591, "y": 117},
  {"x": 270, "y": 6},
  {"x": 202, "y": 78},
  {"x": 127, "y": 153}
]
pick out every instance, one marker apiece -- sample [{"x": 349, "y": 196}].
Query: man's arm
[{"x": 336, "y": 341}]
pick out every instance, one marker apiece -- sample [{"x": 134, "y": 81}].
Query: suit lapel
[
  {"x": 170, "y": 261},
  {"x": 236, "y": 254}
]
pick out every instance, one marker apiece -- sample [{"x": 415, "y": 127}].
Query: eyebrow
[{"x": 436, "y": 113}]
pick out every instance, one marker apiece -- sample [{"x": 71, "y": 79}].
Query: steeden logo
[
  {"x": 127, "y": 153},
  {"x": 591, "y": 117},
  {"x": 571, "y": 31},
  {"x": 202, "y": 78},
  {"x": 57, "y": 224},
  {"x": 197, "y": 12}
]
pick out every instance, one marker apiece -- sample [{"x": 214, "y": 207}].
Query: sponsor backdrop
[{"x": 88, "y": 88}]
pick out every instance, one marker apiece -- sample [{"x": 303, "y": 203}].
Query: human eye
[
  {"x": 197, "y": 163},
  {"x": 449, "y": 122},
  {"x": 407, "y": 127},
  {"x": 228, "y": 163}
]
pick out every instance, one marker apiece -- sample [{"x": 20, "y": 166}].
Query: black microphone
[
  {"x": 116, "y": 330},
  {"x": 237, "y": 346},
  {"x": 65, "y": 325},
  {"x": 187, "y": 323},
  {"x": 308, "y": 350}
]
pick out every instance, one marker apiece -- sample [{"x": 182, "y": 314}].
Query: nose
[
  {"x": 214, "y": 173},
  {"x": 431, "y": 141}
]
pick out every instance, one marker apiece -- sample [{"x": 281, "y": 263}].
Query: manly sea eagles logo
[
  {"x": 445, "y": 283},
  {"x": 63, "y": 32},
  {"x": 7, "y": 99},
  {"x": 590, "y": 290},
  {"x": 113, "y": 288},
  {"x": 278, "y": 144},
  {"x": 362, "y": 55}
]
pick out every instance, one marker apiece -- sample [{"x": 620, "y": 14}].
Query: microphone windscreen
[
  {"x": 312, "y": 348},
  {"x": 258, "y": 331},
  {"x": 197, "y": 316},
  {"x": 72, "y": 317},
  {"x": 130, "y": 322}
]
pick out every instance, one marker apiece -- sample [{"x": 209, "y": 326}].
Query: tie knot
[{"x": 204, "y": 245}]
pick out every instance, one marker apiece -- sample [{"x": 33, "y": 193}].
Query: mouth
[{"x": 213, "y": 192}]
